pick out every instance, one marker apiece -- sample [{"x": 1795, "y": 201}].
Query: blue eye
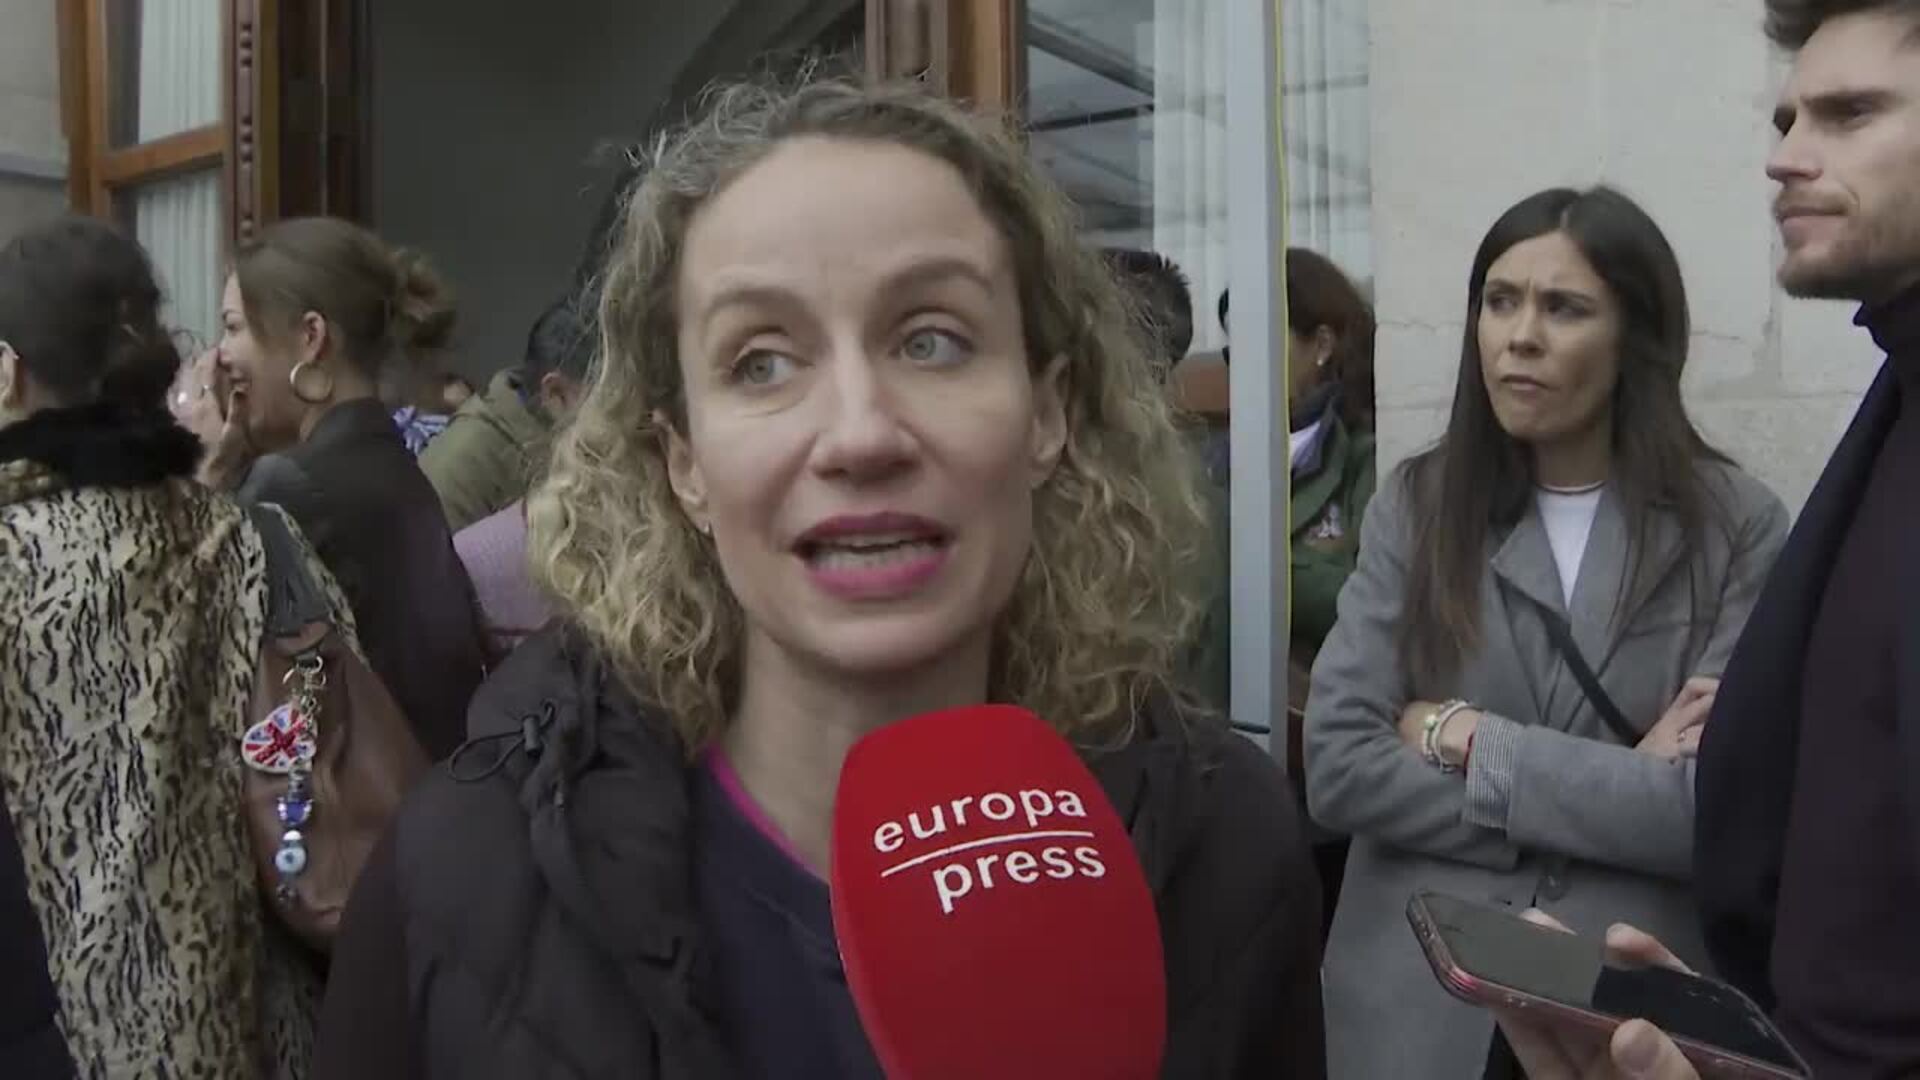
[
  {"x": 762, "y": 368},
  {"x": 934, "y": 347}
]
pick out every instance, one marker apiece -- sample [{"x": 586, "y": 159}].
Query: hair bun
[
  {"x": 423, "y": 311},
  {"x": 140, "y": 366}
]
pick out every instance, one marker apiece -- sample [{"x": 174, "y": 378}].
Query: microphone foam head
[{"x": 992, "y": 916}]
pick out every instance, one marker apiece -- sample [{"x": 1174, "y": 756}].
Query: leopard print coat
[{"x": 130, "y": 635}]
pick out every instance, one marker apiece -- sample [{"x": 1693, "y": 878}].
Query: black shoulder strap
[
  {"x": 1561, "y": 635},
  {"x": 294, "y": 599}
]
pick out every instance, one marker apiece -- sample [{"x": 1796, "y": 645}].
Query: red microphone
[{"x": 992, "y": 917}]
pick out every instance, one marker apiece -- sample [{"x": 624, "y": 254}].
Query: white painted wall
[
  {"x": 1478, "y": 103},
  {"x": 33, "y": 153}
]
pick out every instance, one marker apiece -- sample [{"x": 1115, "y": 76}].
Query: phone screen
[{"x": 1501, "y": 948}]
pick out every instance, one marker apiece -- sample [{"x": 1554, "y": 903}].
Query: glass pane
[
  {"x": 163, "y": 68},
  {"x": 178, "y": 221},
  {"x": 1127, "y": 103},
  {"x": 1328, "y": 143}
]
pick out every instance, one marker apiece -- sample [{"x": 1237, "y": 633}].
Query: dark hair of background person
[
  {"x": 561, "y": 342},
  {"x": 1160, "y": 288},
  {"x": 373, "y": 298},
  {"x": 1479, "y": 478},
  {"x": 1791, "y": 22},
  {"x": 79, "y": 304},
  {"x": 1320, "y": 294}
]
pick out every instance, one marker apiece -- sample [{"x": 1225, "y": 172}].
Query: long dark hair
[
  {"x": 1479, "y": 478},
  {"x": 1321, "y": 294}
]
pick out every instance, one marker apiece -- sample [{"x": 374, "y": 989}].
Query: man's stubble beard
[{"x": 1874, "y": 260}]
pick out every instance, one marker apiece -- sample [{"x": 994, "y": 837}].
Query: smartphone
[{"x": 1490, "y": 956}]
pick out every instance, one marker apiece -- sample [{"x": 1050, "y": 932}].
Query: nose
[
  {"x": 1792, "y": 160},
  {"x": 862, "y": 436},
  {"x": 1527, "y": 338}
]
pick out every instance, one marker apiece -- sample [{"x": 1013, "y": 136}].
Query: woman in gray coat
[{"x": 1570, "y": 517}]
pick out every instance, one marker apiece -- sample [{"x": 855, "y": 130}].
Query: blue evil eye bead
[
  {"x": 294, "y": 810},
  {"x": 292, "y": 856}
]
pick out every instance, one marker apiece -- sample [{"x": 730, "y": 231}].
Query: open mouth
[{"x": 872, "y": 550}]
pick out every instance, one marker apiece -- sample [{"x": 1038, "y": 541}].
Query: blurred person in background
[
  {"x": 132, "y": 611},
  {"x": 1164, "y": 300},
  {"x": 314, "y": 308},
  {"x": 492, "y": 449},
  {"x": 1331, "y": 458},
  {"x": 560, "y": 361}
]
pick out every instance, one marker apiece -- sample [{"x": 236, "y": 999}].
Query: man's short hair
[
  {"x": 1161, "y": 289},
  {"x": 1791, "y": 22},
  {"x": 561, "y": 342}
]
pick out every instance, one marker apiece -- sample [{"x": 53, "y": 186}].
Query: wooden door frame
[
  {"x": 297, "y": 86},
  {"x": 973, "y": 50}
]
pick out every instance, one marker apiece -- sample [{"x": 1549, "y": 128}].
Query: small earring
[{"x": 303, "y": 372}]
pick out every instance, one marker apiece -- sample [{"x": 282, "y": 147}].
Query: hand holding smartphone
[{"x": 1491, "y": 957}]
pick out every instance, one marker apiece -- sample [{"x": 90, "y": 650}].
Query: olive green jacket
[
  {"x": 484, "y": 461},
  {"x": 1324, "y": 517}
]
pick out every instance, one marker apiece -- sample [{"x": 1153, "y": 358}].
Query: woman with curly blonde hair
[{"x": 871, "y": 435}]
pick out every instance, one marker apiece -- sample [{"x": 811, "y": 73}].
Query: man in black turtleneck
[
  {"x": 1807, "y": 838},
  {"x": 1807, "y": 851}
]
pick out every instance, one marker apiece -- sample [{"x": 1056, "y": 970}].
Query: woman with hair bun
[
  {"x": 313, "y": 311},
  {"x": 133, "y": 604}
]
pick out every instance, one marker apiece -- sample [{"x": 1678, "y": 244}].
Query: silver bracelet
[{"x": 1433, "y": 728}]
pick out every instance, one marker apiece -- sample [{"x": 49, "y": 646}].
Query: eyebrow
[
  {"x": 1829, "y": 103},
  {"x": 1559, "y": 291},
  {"x": 750, "y": 290}
]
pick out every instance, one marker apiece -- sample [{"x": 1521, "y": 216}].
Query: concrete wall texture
[
  {"x": 1478, "y": 103},
  {"x": 31, "y": 144}
]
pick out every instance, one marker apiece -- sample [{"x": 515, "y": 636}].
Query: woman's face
[
  {"x": 261, "y": 373},
  {"x": 864, "y": 429},
  {"x": 1549, "y": 335}
]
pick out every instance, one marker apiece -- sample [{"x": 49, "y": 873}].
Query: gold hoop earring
[{"x": 304, "y": 372}]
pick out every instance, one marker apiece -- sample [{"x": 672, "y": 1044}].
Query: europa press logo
[
  {"x": 1030, "y": 836},
  {"x": 982, "y": 881}
]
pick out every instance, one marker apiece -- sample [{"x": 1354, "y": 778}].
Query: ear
[
  {"x": 689, "y": 484},
  {"x": 558, "y": 394},
  {"x": 314, "y": 332},
  {"x": 1049, "y": 440},
  {"x": 1324, "y": 342}
]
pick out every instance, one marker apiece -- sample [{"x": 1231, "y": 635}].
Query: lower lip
[
  {"x": 888, "y": 576},
  {"x": 1524, "y": 389},
  {"x": 1798, "y": 226}
]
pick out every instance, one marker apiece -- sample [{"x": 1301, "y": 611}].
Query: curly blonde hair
[{"x": 1113, "y": 593}]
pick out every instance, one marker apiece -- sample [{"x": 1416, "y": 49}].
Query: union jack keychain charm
[{"x": 285, "y": 744}]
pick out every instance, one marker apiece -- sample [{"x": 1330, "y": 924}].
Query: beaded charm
[{"x": 285, "y": 744}]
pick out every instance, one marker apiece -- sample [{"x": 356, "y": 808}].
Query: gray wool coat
[{"x": 1554, "y": 811}]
